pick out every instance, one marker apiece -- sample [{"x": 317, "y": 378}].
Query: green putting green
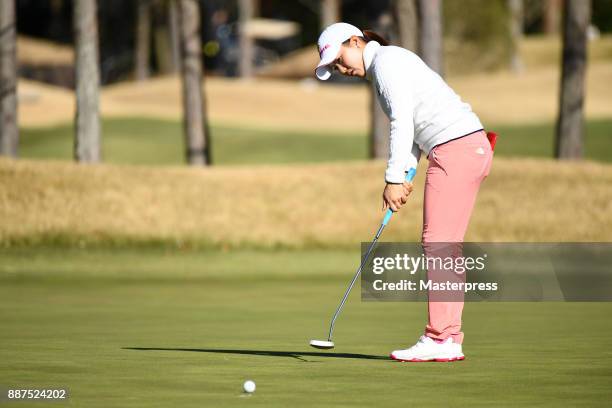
[
  {"x": 151, "y": 141},
  {"x": 152, "y": 327}
]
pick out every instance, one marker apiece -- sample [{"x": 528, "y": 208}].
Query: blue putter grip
[{"x": 409, "y": 177}]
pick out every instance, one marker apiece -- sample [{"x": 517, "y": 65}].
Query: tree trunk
[
  {"x": 143, "y": 39},
  {"x": 9, "y": 131},
  {"x": 173, "y": 28},
  {"x": 516, "y": 34},
  {"x": 56, "y": 18},
  {"x": 246, "y": 11},
  {"x": 87, "y": 78},
  {"x": 379, "y": 122},
  {"x": 407, "y": 24},
  {"x": 330, "y": 12},
  {"x": 431, "y": 34},
  {"x": 551, "y": 16},
  {"x": 570, "y": 124},
  {"x": 161, "y": 38},
  {"x": 194, "y": 117},
  {"x": 379, "y": 129}
]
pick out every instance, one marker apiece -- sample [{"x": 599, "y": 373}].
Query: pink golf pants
[{"x": 456, "y": 169}]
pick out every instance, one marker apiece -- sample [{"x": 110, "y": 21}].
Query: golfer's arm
[
  {"x": 401, "y": 156},
  {"x": 395, "y": 88},
  {"x": 415, "y": 156}
]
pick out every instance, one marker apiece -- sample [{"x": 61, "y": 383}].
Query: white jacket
[{"x": 423, "y": 110}]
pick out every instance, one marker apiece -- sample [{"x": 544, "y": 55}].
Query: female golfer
[{"x": 426, "y": 115}]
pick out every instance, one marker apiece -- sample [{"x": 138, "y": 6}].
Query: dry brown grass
[
  {"x": 532, "y": 97},
  {"x": 295, "y": 206},
  {"x": 499, "y": 98},
  {"x": 42, "y": 105},
  {"x": 539, "y": 51},
  {"x": 34, "y": 51},
  {"x": 260, "y": 103}
]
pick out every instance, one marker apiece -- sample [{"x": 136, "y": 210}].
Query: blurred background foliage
[{"x": 474, "y": 30}]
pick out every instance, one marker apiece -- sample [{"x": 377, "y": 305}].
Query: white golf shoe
[{"x": 427, "y": 349}]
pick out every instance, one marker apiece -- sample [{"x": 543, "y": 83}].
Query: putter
[{"x": 329, "y": 344}]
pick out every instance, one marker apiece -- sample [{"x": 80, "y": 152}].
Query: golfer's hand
[{"x": 396, "y": 195}]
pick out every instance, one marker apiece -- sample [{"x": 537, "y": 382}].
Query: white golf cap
[{"x": 329, "y": 44}]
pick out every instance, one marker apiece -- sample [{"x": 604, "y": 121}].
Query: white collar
[{"x": 368, "y": 55}]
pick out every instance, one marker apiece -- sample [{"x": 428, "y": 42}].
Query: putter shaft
[
  {"x": 409, "y": 177},
  {"x": 350, "y": 287}
]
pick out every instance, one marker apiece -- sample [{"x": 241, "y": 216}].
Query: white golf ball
[{"x": 249, "y": 386}]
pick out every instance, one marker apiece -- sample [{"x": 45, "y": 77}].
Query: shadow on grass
[{"x": 293, "y": 354}]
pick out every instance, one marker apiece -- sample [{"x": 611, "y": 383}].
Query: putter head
[{"x": 322, "y": 344}]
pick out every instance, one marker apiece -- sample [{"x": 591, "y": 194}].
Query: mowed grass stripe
[{"x": 160, "y": 142}]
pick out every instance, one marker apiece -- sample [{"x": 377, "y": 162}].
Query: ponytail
[{"x": 369, "y": 35}]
